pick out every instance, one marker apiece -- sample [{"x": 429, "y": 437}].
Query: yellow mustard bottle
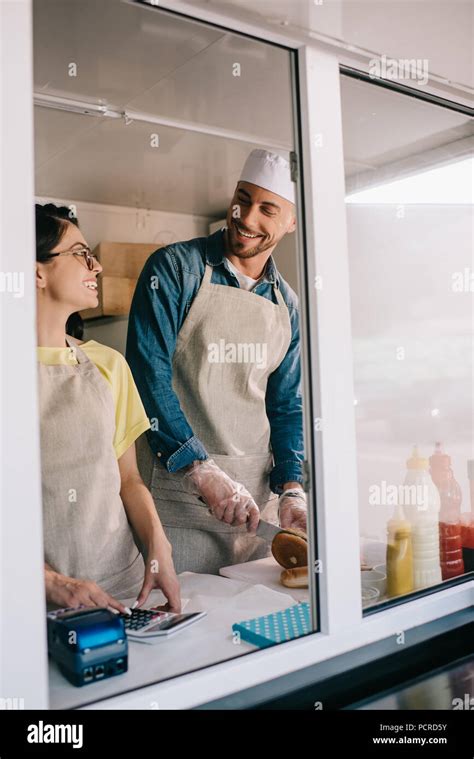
[{"x": 399, "y": 555}]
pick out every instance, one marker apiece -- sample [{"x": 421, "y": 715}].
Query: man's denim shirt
[{"x": 158, "y": 310}]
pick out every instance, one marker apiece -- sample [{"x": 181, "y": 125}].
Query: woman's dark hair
[{"x": 51, "y": 224}]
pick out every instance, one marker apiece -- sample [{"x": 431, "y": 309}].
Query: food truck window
[
  {"x": 408, "y": 169},
  {"x": 143, "y": 123}
]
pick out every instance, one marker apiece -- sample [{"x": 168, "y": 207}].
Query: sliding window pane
[{"x": 409, "y": 169}]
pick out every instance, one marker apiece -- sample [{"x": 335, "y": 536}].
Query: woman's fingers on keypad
[
  {"x": 110, "y": 601},
  {"x": 174, "y": 603},
  {"x": 144, "y": 593}
]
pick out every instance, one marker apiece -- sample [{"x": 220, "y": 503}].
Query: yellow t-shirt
[{"x": 130, "y": 417}]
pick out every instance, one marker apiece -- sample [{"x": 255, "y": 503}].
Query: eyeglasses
[{"x": 84, "y": 252}]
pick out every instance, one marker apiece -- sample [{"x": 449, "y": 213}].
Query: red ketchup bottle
[
  {"x": 467, "y": 524},
  {"x": 450, "y": 541}
]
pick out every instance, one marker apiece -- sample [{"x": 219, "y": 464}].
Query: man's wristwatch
[
  {"x": 292, "y": 493},
  {"x": 295, "y": 492}
]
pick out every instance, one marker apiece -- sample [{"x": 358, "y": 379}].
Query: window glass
[
  {"x": 409, "y": 169},
  {"x": 143, "y": 123}
]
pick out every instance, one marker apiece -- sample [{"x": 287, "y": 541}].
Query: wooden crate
[
  {"x": 124, "y": 259},
  {"x": 122, "y": 263}
]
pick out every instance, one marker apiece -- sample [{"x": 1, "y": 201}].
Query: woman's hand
[
  {"x": 160, "y": 575},
  {"x": 67, "y": 591},
  {"x": 142, "y": 515}
]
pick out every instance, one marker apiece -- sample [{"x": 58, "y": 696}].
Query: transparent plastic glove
[
  {"x": 229, "y": 501},
  {"x": 292, "y": 511}
]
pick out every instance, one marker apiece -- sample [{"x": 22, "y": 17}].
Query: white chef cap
[{"x": 270, "y": 171}]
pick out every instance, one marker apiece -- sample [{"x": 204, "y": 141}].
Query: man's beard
[{"x": 234, "y": 246}]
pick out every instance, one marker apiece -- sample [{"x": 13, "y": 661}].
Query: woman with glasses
[{"x": 96, "y": 508}]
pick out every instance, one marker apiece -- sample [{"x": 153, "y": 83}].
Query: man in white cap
[{"x": 214, "y": 347}]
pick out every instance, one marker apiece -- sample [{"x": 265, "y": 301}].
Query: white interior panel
[
  {"x": 384, "y": 127},
  {"x": 112, "y": 163},
  {"x": 130, "y": 56},
  {"x": 232, "y": 84},
  {"x": 120, "y": 49},
  {"x": 439, "y": 31}
]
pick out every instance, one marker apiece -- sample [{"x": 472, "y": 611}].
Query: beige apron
[
  {"x": 86, "y": 531},
  {"x": 229, "y": 344}
]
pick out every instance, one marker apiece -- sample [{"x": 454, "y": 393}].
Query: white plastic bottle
[{"x": 421, "y": 503}]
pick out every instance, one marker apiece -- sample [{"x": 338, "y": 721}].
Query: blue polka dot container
[{"x": 275, "y": 628}]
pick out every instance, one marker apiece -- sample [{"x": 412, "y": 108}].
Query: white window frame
[
  {"x": 23, "y": 652},
  {"x": 342, "y": 626}
]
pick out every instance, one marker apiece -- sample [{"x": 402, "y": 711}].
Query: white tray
[{"x": 263, "y": 572}]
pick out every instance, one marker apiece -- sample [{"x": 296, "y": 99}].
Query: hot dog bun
[
  {"x": 295, "y": 578},
  {"x": 290, "y": 548}
]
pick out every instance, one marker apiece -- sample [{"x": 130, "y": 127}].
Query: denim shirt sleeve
[
  {"x": 285, "y": 412},
  {"x": 157, "y": 313}
]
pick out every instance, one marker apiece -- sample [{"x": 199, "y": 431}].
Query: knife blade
[{"x": 267, "y": 530}]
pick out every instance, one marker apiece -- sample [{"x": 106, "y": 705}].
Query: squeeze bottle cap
[
  {"x": 439, "y": 457},
  {"x": 398, "y": 513},
  {"x": 398, "y": 519},
  {"x": 416, "y": 461}
]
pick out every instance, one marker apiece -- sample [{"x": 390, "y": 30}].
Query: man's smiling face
[{"x": 257, "y": 220}]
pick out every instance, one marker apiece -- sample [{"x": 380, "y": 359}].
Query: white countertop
[
  {"x": 207, "y": 642},
  {"x": 264, "y": 572}
]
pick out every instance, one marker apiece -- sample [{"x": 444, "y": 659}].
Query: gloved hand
[
  {"x": 292, "y": 509},
  {"x": 229, "y": 501}
]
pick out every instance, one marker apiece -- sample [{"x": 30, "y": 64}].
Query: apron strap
[
  {"x": 207, "y": 280},
  {"x": 74, "y": 345},
  {"x": 279, "y": 296},
  {"x": 207, "y": 275}
]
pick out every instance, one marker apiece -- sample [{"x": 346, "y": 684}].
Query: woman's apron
[
  {"x": 86, "y": 532},
  {"x": 221, "y": 388}
]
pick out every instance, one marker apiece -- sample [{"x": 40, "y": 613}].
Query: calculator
[{"x": 153, "y": 622}]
